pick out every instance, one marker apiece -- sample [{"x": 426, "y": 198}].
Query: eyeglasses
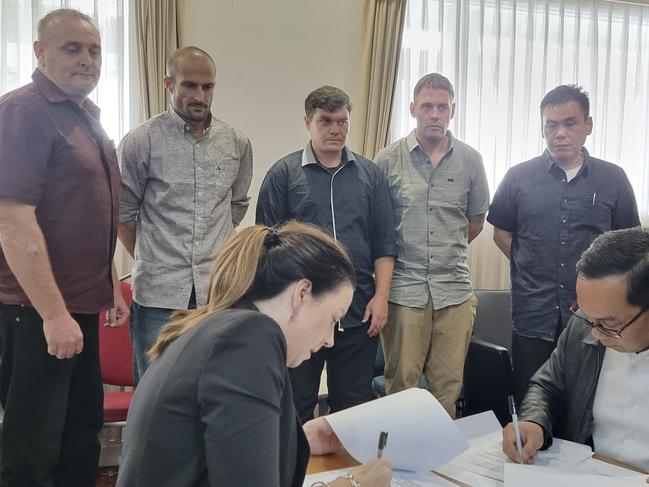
[{"x": 606, "y": 331}]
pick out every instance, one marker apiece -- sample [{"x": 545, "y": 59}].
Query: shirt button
[
  {"x": 556, "y": 307},
  {"x": 18, "y": 319},
  {"x": 430, "y": 208},
  {"x": 565, "y": 200},
  {"x": 563, "y": 243},
  {"x": 560, "y": 286},
  {"x": 564, "y": 220},
  {"x": 560, "y": 264}
]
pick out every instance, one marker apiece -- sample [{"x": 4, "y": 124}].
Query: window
[
  {"x": 18, "y": 21},
  {"x": 503, "y": 55}
]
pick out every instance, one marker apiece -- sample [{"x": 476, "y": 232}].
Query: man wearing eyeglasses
[{"x": 594, "y": 389}]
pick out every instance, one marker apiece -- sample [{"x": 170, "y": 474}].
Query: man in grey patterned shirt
[
  {"x": 440, "y": 196},
  {"x": 185, "y": 181}
]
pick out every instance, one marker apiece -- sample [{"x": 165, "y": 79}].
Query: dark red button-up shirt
[{"x": 55, "y": 156}]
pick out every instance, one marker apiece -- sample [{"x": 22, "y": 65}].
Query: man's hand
[
  {"x": 531, "y": 438},
  {"x": 63, "y": 336},
  {"x": 117, "y": 315},
  {"x": 321, "y": 437},
  {"x": 378, "y": 309}
]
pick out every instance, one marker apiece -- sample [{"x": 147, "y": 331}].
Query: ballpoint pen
[
  {"x": 517, "y": 430},
  {"x": 383, "y": 440}
]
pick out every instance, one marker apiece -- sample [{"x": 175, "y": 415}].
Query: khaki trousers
[{"x": 428, "y": 341}]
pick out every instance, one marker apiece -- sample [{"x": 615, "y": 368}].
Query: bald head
[
  {"x": 188, "y": 57},
  {"x": 48, "y": 23}
]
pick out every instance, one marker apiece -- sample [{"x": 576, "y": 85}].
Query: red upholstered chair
[{"x": 116, "y": 360}]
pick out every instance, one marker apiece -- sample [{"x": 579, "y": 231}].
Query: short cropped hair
[
  {"x": 564, "y": 94},
  {"x": 328, "y": 98},
  {"x": 621, "y": 253},
  {"x": 62, "y": 12},
  {"x": 179, "y": 54},
  {"x": 434, "y": 81}
]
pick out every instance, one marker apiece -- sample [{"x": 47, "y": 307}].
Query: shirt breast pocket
[
  {"x": 594, "y": 211},
  {"x": 225, "y": 171},
  {"x": 455, "y": 193}
]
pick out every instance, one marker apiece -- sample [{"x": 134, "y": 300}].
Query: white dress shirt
[{"x": 621, "y": 408}]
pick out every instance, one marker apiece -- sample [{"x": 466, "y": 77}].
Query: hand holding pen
[{"x": 521, "y": 439}]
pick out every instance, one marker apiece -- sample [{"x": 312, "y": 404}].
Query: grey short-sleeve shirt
[{"x": 432, "y": 209}]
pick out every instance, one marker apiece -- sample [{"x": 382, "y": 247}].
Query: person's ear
[
  {"x": 38, "y": 52},
  {"x": 168, "y": 82},
  {"x": 301, "y": 290}
]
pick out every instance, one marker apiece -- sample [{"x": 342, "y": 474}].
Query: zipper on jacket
[{"x": 333, "y": 217}]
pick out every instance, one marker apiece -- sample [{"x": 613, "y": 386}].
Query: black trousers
[
  {"x": 350, "y": 370},
  {"x": 53, "y": 408},
  {"x": 528, "y": 355}
]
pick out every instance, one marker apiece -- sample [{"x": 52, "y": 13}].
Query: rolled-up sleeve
[
  {"x": 133, "y": 154},
  {"x": 241, "y": 185},
  {"x": 383, "y": 235}
]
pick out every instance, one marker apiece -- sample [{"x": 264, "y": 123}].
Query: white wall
[{"x": 269, "y": 56}]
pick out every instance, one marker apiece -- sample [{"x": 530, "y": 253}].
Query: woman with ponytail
[{"x": 216, "y": 407}]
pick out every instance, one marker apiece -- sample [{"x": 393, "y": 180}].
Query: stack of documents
[{"x": 422, "y": 437}]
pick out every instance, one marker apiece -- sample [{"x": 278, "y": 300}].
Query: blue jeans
[{"x": 146, "y": 323}]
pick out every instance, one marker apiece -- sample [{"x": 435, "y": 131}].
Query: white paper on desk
[
  {"x": 421, "y": 435},
  {"x": 486, "y": 456},
  {"x": 594, "y": 466},
  {"x": 400, "y": 478},
  {"x": 536, "y": 476}
]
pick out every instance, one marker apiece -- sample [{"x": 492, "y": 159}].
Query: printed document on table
[
  {"x": 598, "y": 467},
  {"x": 400, "y": 478},
  {"x": 536, "y": 476},
  {"x": 421, "y": 435},
  {"x": 486, "y": 456}
]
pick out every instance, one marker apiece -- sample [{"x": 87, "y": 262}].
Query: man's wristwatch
[{"x": 353, "y": 480}]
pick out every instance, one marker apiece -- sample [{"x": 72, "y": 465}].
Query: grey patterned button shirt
[
  {"x": 432, "y": 208},
  {"x": 186, "y": 196}
]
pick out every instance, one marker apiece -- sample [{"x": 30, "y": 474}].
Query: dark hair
[
  {"x": 259, "y": 263},
  {"x": 184, "y": 52},
  {"x": 328, "y": 98},
  {"x": 434, "y": 81},
  {"x": 621, "y": 252},
  {"x": 68, "y": 13},
  {"x": 564, "y": 94}
]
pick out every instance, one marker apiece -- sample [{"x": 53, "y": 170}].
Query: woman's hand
[
  {"x": 321, "y": 437},
  {"x": 376, "y": 473}
]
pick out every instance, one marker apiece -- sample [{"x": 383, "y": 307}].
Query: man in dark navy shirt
[
  {"x": 326, "y": 184},
  {"x": 546, "y": 212}
]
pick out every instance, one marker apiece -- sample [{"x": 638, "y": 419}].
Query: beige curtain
[
  {"x": 378, "y": 61},
  {"x": 158, "y": 24}
]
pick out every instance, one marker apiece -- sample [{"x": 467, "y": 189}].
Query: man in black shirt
[{"x": 546, "y": 212}]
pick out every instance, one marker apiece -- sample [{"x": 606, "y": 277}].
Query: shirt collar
[
  {"x": 308, "y": 156},
  {"x": 54, "y": 94},
  {"x": 179, "y": 122},
  {"x": 549, "y": 162},
  {"x": 412, "y": 143}
]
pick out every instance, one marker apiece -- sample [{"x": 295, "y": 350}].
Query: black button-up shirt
[
  {"x": 352, "y": 203},
  {"x": 553, "y": 221}
]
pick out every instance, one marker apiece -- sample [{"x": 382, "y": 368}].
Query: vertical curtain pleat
[
  {"x": 380, "y": 47},
  {"x": 158, "y": 35}
]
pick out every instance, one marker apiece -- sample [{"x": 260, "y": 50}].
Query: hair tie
[{"x": 272, "y": 239}]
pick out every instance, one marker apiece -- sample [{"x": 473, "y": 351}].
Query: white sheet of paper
[
  {"x": 598, "y": 467},
  {"x": 466, "y": 477},
  {"x": 485, "y": 457},
  {"x": 400, "y": 478},
  {"x": 421, "y": 435},
  {"x": 478, "y": 425},
  {"x": 536, "y": 476}
]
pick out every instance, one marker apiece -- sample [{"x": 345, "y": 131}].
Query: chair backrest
[
  {"x": 487, "y": 380},
  {"x": 493, "y": 319},
  {"x": 116, "y": 349}
]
